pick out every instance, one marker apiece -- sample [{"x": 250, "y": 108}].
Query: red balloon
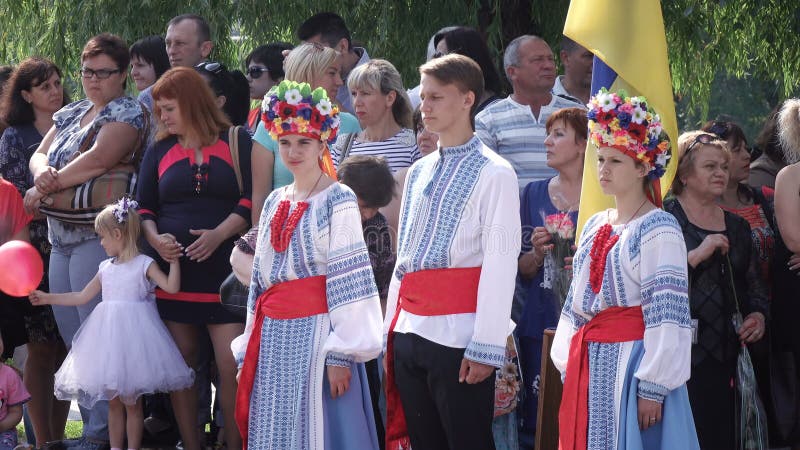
[{"x": 21, "y": 268}]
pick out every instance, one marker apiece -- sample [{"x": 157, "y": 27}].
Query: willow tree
[{"x": 737, "y": 38}]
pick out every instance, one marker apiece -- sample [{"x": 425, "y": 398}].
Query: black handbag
[
  {"x": 233, "y": 296},
  {"x": 232, "y": 293}
]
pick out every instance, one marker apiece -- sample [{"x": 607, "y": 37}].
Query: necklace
[
  {"x": 283, "y": 224},
  {"x": 601, "y": 245}
]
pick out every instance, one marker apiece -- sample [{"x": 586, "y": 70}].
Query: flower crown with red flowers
[
  {"x": 293, "y": 108},
  {"x": 630, "y": 126}
]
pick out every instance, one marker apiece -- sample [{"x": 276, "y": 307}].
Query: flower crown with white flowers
[
  {"x": 630, "y": 126},
  {"x": 294, "y": 108},
  {"x": 121, "y": 207}
]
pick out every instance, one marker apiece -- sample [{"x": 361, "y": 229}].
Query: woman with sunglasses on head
[
  {"x": 723, "y": 279},
  {"x": 623, "y": 340},
  {"x": 88, "y": 138},
  {"x": 313, "y": 314},
  {"x": 30, "y": 98},
  {"x": 230, "y": 88}
]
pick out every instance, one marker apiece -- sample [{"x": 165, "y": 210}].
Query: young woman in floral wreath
[
  {"x": 313, "y": 314},
  {"x": 624, "y": 337}
]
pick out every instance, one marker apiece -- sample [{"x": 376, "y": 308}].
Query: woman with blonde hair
[
  {"x": 787, "y": 252},
  {"x": 193, "y": 207},
  {"x": 384, "y": 112},
  {"x": 319, "y": 67}
]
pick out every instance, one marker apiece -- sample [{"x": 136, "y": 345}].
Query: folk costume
[
  {"x": 625, "y": 330},
  {"x": 313, "y": 303},
  {"x": 450, "y": 297}
]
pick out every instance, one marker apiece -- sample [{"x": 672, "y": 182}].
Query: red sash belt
[
  {"x": 616, "y": 324},
  {"x": 289, "y": 300},
  {"x": 434, "y": 292}
]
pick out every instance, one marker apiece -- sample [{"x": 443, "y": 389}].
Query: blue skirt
[
  {"x": 349, "y": 420},
  {"x": 675, "y": 430}
]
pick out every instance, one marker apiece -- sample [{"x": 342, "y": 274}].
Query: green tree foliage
[{"x": 707, "y": 39}]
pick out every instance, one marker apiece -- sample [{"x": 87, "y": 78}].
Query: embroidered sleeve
[
  {"x": 500, "y": 242},
  {"x": 353, "y": 305},
  {"x": 665, "y": 306}
]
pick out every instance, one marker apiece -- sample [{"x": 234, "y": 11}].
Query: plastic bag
[{"x": 751, "y": 418}]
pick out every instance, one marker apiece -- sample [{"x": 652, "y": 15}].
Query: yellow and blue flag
[{"x": 630, "y": 47}]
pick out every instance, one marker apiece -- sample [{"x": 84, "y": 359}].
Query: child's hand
[{"x": 37, "y": 298}]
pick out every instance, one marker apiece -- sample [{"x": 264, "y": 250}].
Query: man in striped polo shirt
[{"x": 515, "y": 126}]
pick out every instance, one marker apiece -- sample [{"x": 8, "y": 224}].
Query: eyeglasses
[
  {"x": 700, "y": 139},
  {"x": 210, "y": 66},
  {"x": 256, "y": 72},
  {"x": 101, "y": 74}
]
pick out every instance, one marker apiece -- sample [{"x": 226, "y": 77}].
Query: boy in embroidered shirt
[
  {"x": 12, "y": 395},
  {"x": 449, "y": 304}
]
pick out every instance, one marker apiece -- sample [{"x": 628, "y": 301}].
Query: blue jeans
[{"x": 72, "y": 267}]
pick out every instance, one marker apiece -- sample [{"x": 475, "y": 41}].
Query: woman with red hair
[{"x": 194, "y": 199}]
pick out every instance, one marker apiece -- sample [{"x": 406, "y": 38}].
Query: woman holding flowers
[
  {"x": 313, "y": 313},
  {"x": 549, "y": 211},
  {"x": 624, "y": 337}
]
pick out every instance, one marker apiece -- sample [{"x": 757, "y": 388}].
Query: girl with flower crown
[
  {"x": 313, "y": 313},
  {"x": 123, "y": 350},
  {"x": 624, "y": 337}
]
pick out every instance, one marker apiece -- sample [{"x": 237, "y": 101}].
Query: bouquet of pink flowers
[{"x": 562, "y": 234}]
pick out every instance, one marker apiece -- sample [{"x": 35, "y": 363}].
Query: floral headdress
[
  {"x": 121, "y": 207},
  {"x": 294, "y": 108},
  {"x": 629, "y": 125}
]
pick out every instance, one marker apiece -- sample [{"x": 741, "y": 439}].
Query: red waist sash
[
  {"x": 616, "y": 324},
  {"x": 434, "y": 292},
  {"x": 288, "y": 300}
]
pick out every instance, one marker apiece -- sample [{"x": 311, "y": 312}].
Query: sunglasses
[
  {"x": 211, "y": 66},
  {"x": 700, "y": 139},
  {"x": 256, "y": 72}
]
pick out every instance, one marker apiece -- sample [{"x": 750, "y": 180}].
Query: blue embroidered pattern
[
  {"x": 432, "y": 212},
  {"x": 603, "y": 362},
  {"x": 278, "y": 403},
  {"x": 651, "y": 391},
  {"x": 492, "y": 355}
]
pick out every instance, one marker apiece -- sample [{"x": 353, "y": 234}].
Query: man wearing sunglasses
[{"x": 329, "y": 29}]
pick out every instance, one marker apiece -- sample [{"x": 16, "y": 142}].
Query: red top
[{"x": 12, "y": 212}]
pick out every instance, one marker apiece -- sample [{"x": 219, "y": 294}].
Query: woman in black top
[{"x": 723, "y": 278}]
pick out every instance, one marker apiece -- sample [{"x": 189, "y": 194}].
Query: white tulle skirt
[{"x": 122, "y": 350}]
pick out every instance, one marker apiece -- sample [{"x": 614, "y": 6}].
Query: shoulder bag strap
[
  {"x": 233, "y": 145},
  {"x": 348, "y": 145}
]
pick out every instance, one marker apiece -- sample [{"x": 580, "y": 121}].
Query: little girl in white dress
[{"x": 123, "y": 350}]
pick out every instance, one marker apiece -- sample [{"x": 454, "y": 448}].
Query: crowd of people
[{"x": 354, "y": 263}]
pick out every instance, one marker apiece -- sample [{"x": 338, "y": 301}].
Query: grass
[{"x": 73, "y": 430}]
